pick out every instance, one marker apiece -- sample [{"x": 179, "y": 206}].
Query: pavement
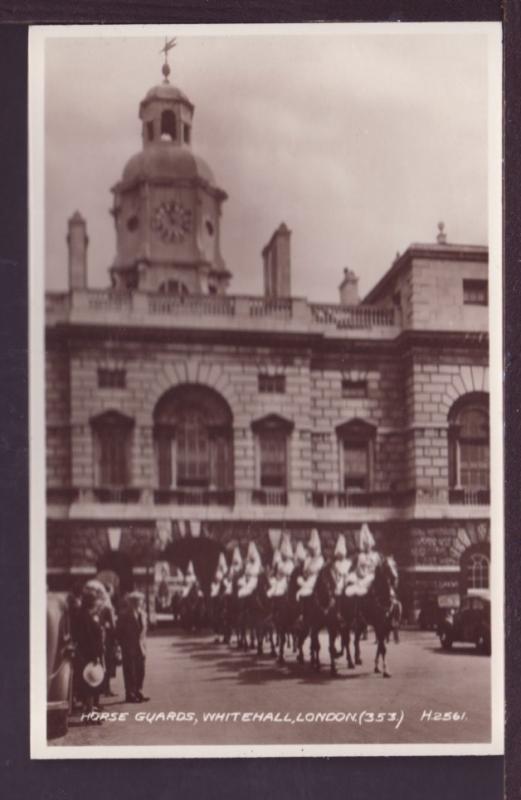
[{"x": 190, "y": 680}]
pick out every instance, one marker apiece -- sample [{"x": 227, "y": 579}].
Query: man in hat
[
  {"x": 190, "y": 581},
  {"x": 248, "y": 582},
  {"x": 219, "y": 575},
  {"x": 312, "y": 566},
  {"x": 131, "y": 632},
  {"x": 234, "y": 571},
  {"x": 283, "y": 568},
  {"x": 366, "y": 561},
  {"x": 341, "y": 565}
]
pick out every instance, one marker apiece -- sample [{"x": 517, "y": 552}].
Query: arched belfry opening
[
  {"x": 193, "y": 439},
  {"x": 168, "y": 126}
]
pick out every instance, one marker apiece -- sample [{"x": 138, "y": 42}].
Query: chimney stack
[
  {"x": 77, "y": 243},
  {"x": 349, "y": 289},
  {"x": 277, "y": 264}
]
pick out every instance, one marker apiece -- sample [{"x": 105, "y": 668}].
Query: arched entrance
[{"x": 202, "y": 552}]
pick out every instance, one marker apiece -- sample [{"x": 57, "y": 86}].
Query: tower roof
[
  {"x": 165, "y": 92},
  {"x": 158, "y": 161}
]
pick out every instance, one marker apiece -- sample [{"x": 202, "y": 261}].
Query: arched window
[
  {"x": 168, "y": 126},
  {"x": 112, "y": 439},
  {"x": 469, "y": 448},
  {"x": 193, "y": 440},
  {"x": 478, "y": 572}
]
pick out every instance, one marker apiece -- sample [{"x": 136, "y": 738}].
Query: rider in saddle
[
  {"x": 340, "y": 565},
  {"x": 366, "y": 560},
  {"x": 234, "y": 570},
  {"x": 218, "y": 578},
  {"x": 190, "y": 581},
  {"x": 312, "y": 566},
  {"x": 247, "y": 583},
  {"x": 283, "y": 566}
]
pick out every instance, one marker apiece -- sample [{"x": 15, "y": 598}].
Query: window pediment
[
  {"x": 356, "y": 429},
  {"x": 272, "y": 422},
  {"x": 112, "y": 419}
]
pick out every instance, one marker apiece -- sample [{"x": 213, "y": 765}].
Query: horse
[
  {"x": 325, "y": 611},
  {"x": 288, "y": 619},
  {"x": 382, "y": 609},
  {"x": 192, "y": 610},
  {"x": 261, "y": 616}
]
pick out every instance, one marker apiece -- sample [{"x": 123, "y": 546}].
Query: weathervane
[{"x": 169, "y": 45}]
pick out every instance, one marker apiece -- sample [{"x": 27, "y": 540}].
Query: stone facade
[{"x": 385, "y": 373}]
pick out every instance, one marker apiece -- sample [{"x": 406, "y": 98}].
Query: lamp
[{"x": 114, "y": 535}]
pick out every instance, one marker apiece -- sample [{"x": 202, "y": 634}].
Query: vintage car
[
  {"x": 470, "y": 624},
  {"x": 434, "y": 610},
  {"x": 60, "y": 654}
]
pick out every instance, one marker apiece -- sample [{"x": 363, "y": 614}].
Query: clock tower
[{"x": 167, "y": 205}]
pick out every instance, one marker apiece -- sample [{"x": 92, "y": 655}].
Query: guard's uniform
[
  {"x": 248, "y": 582},
  {"x": 283, "y": 569},
  {"x": 312, "y": 566}
]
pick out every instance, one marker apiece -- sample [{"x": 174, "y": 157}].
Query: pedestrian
[
  {"x": 131, "y": 632},
  {"x": 89, "y": 650}
]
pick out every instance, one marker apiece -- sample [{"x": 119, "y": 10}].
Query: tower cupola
[{"x": 167, "y": 205}]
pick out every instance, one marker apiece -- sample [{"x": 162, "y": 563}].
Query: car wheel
[{"x": 445, "y": 640}]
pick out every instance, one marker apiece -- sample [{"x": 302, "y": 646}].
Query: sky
[{"x": 360, "y": 143}]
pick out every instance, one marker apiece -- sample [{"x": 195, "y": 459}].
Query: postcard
[{"x": 266, "y": 390}]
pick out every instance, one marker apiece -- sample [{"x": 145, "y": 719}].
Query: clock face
[{"x": 172, "y": 221}]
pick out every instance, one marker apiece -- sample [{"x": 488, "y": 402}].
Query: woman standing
[{"x": 89, "y": 647}]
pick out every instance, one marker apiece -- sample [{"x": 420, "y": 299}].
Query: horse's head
[{"x": 386, "y": 577}]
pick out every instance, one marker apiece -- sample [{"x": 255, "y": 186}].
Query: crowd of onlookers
[{"x": 107, "y": 631}]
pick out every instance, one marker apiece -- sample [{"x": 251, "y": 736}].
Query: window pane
[
  {"x": 192, "y": 450},
  {"x": 478, "y": 572},
  {"x": 113, "y": 457},
  {"x": 356, "y": 466},
  {"x": 273, "y": 460}
]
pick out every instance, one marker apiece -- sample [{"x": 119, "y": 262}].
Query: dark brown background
[{"x": 447, "y": 778}]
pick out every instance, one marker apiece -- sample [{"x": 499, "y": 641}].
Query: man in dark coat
[{"x": 131, "y": 633}]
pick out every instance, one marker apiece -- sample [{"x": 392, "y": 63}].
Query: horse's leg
[
  {"x": 282, "y": 639},
  {"x": 300, "y": 638},
  {"x": 377, "y": 657},
  {"x": 386, "y": 674},
  {"x": 358, "y": 657},
  {"x": 347, "y": 644},
  {"x": 332, "y": 651},
  {"x": 315, "y": 649}
]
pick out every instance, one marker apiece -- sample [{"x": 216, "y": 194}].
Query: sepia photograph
[{"x": 266, "y": 399}]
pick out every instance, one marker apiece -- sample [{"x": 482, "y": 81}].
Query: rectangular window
[
  {"x": 356, "y": 466},
  {"x": 113, "y": 457},
  {"x": 272, "y": 384},
  {"x": 111, "y": 378},
  {"x": 354, "y": 388},
  {"x": 273, "y": 460},
  {"x": 475, "y": 293}
]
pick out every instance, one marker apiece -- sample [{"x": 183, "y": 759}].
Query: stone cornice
[{"x": 431, "y": 252}]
